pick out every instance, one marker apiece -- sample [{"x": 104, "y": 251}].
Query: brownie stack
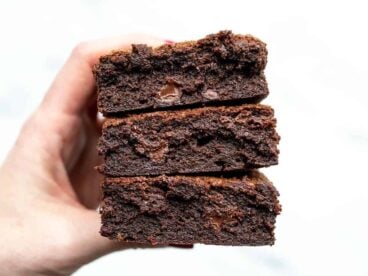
[{"x": 182, "y": 142}]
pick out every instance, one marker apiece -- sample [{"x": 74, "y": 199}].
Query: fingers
[
  {"x": 54, "y": 129},
  {"x": 74, "y": 85}
]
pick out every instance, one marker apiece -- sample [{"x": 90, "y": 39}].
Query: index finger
[{"x": 74, "y": 84}]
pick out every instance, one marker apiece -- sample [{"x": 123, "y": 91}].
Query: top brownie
[{"x": 221, "y": 67}]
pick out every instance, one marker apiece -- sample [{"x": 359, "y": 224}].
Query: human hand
[{"x": 49, "y": 190}]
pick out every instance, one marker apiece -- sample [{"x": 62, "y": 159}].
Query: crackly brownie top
[
  {"x": 230, "y": 51},
  {"x": 251, "y": 179}
]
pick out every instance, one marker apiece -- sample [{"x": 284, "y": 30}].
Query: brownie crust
[
  {"x": 185, "y": 209},
  {"x": 221, "y": 67},
  {"x": 203, "y": 140}
]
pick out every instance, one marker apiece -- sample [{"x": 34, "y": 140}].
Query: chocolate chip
[{"x": 169, "y": 93}]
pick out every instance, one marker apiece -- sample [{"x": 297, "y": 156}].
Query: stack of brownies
[{"x": 183, "y": 138}]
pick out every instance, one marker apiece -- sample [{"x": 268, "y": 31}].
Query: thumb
[
  {"x": 91, "y": 244},
  {"x": 99, "y": 246}
]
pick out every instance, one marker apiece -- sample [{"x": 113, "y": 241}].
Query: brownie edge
[{"x": 186, "y": 209}]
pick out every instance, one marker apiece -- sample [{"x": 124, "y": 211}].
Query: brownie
[
  {"x": 202, "y": 140},
  {"x": 190, "y": 209},
  {"x": 221, "y": 67}
]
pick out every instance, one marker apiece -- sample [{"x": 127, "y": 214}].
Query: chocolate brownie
[
  {"x": 202, "y": 140},
  {"x": 186, "y": 209},
  {"x": 222, "y": 67}
]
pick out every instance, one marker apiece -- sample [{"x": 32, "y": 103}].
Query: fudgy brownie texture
[
  {"x": 220, "y": 67},
  {"x": 186, "y": 209},
  {"x": 202, "y": 140}
]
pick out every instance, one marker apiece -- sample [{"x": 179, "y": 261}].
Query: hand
[{"x": 49, "y": 190}]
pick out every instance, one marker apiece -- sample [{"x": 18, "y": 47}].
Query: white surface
[{"x": 317, "y": 76}]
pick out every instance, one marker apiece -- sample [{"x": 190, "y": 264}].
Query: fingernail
[{"x": 168, "y": 41}]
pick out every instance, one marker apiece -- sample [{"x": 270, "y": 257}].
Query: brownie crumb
[
  {"x": 218, "y": 68},
  {"x": 202, "y": 140},
  {"x": 184, "y": 210}
]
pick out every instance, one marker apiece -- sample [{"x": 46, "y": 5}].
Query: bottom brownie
[{"x": 187, "y": 209}]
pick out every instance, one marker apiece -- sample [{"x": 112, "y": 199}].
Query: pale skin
[{"x": 49, "y": 189}]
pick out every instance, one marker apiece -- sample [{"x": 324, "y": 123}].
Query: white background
[{"x": 317, "y": 74}]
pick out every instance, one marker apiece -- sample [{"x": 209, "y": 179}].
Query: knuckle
[
  {"x": 81, "y": 50},
  {"x": 29, "y": 124},
  {"x": 32, "y": 124}
]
